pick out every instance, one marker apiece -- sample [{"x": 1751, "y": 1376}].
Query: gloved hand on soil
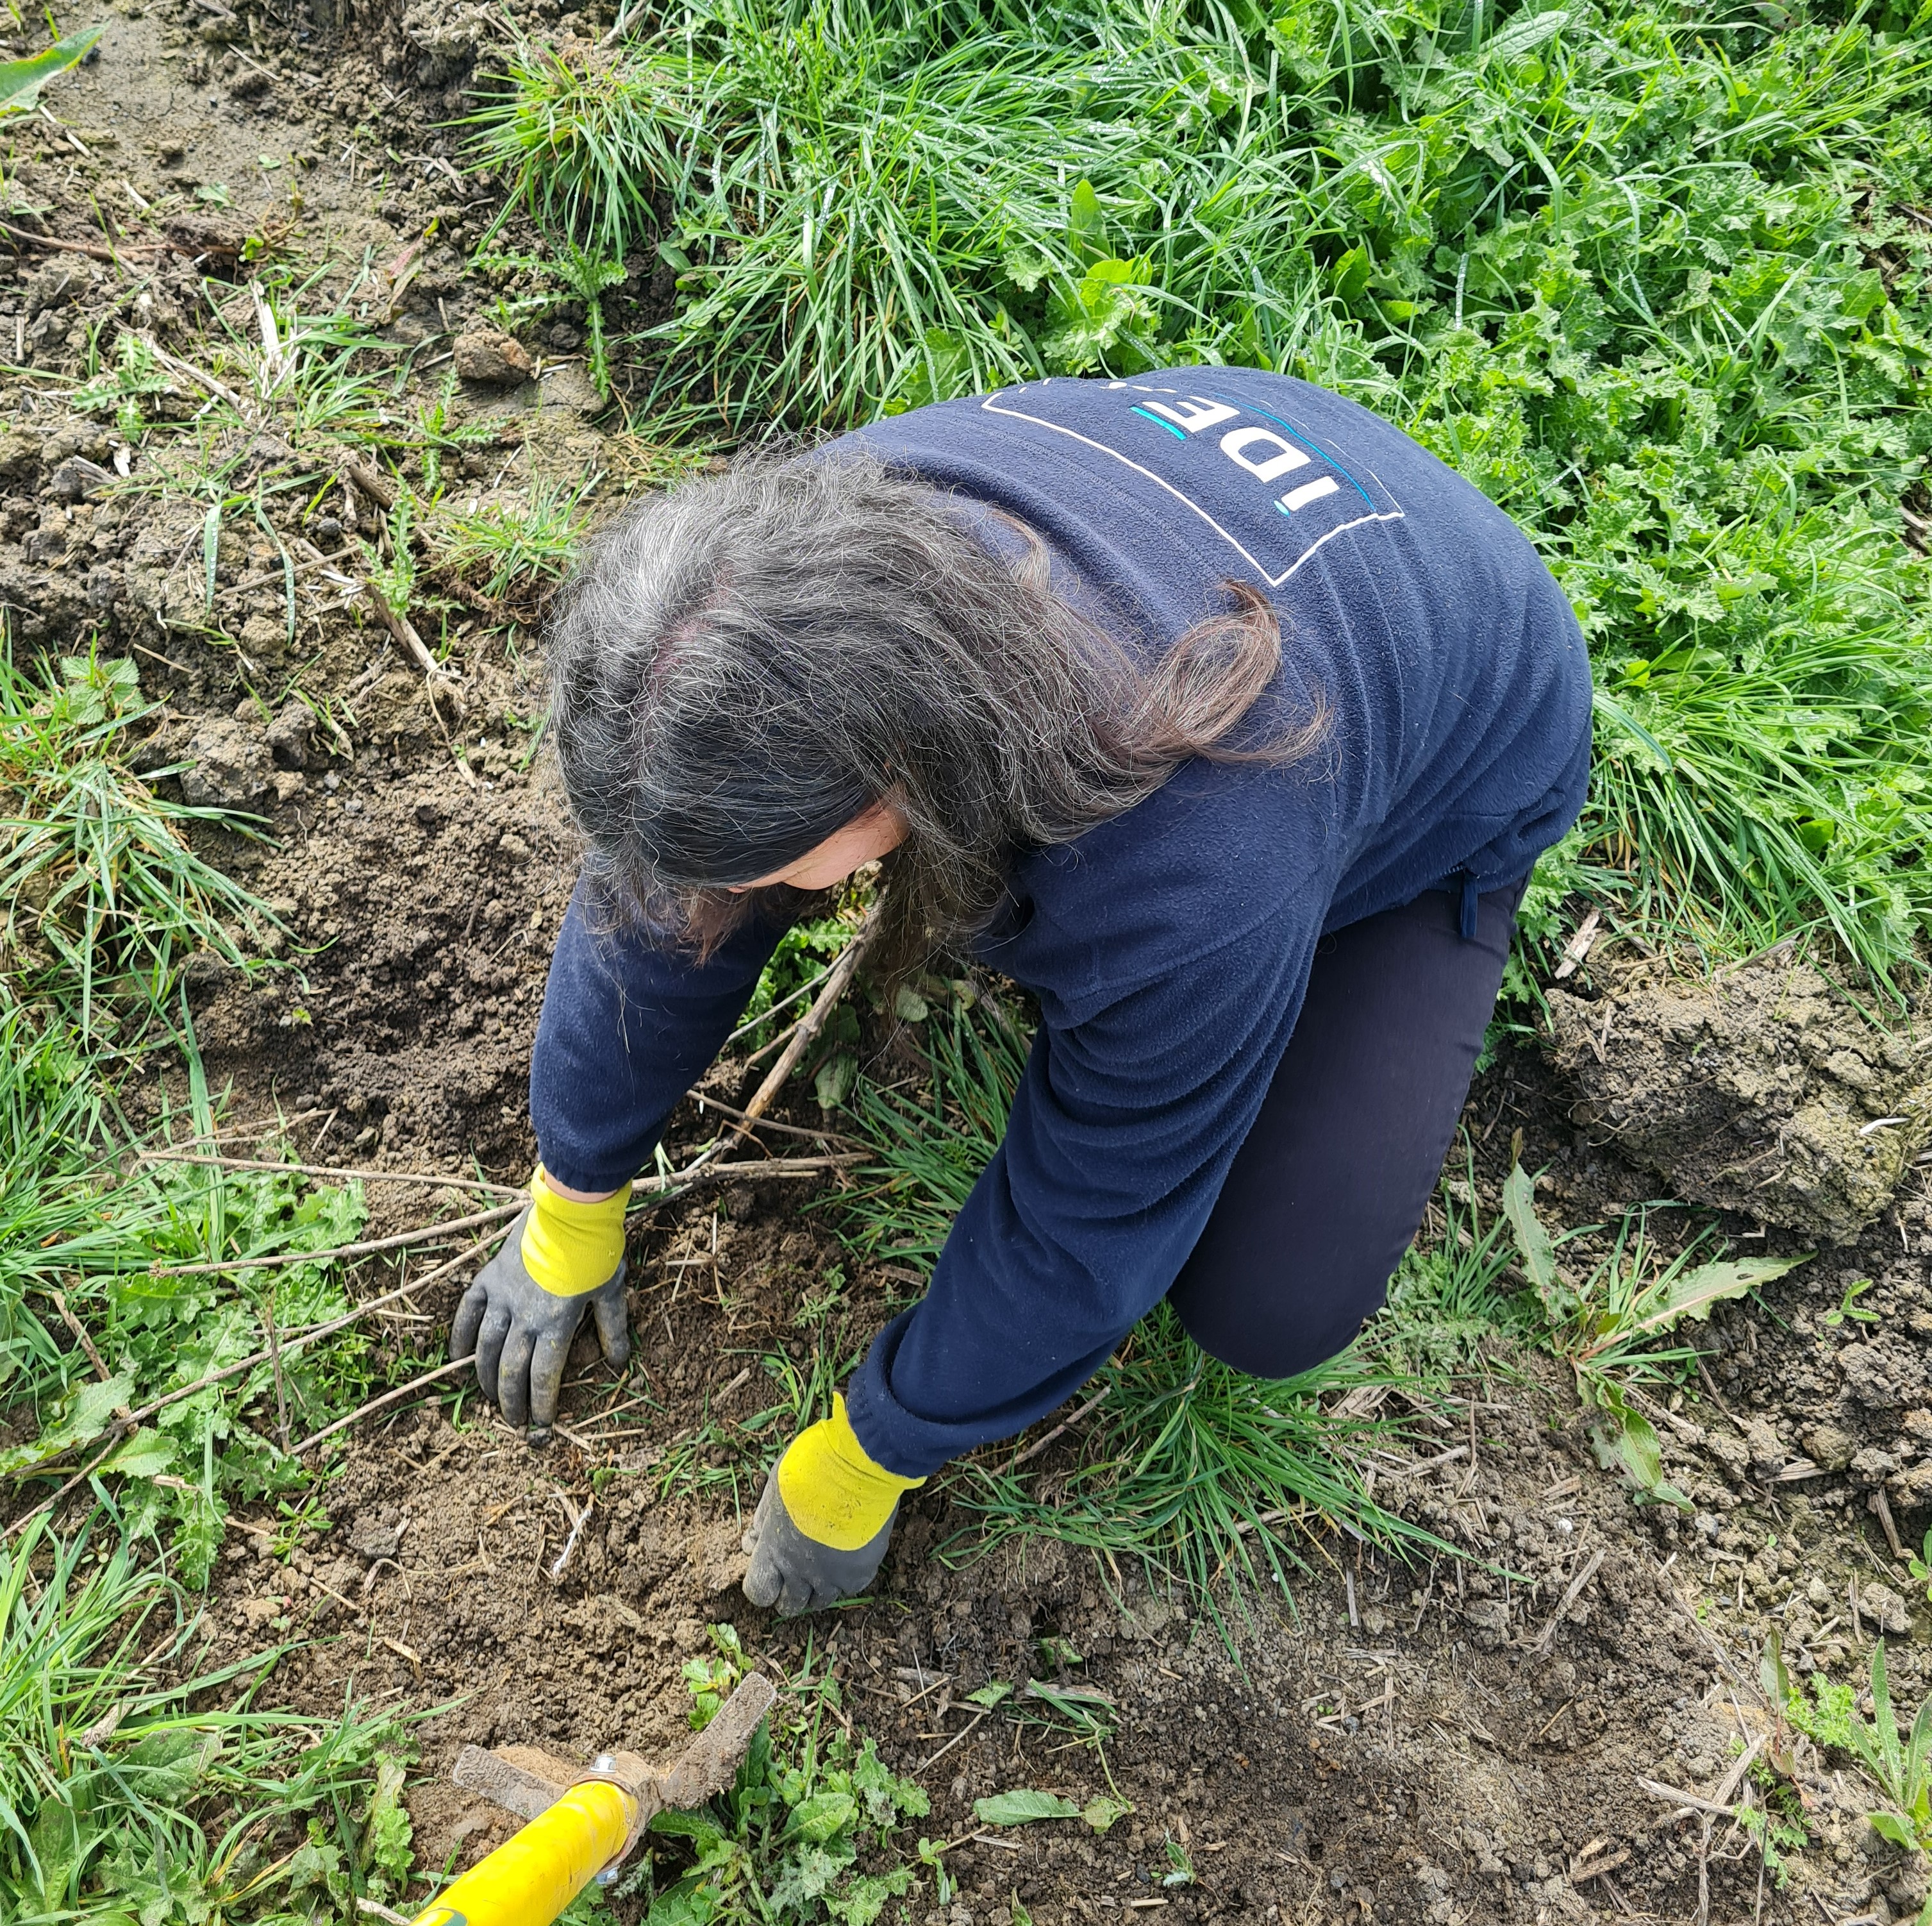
[
  {"x": 824, "y": 1521},
  {"x": 520, "y": 1314}
]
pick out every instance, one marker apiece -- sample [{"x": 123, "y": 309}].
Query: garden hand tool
[
  {"x": 582, "y": 1823},
  {"x": 524, "y": 1308},
  {"x": 824, "y": 1520}
]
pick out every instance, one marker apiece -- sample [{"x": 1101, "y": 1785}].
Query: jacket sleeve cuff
[{"x": 912, "y": 1444}]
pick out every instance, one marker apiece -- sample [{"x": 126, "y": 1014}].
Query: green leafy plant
[
  {"x": 1026, "y": 1806},
  {"x": 1899, "y": 1767},
  {"x": 391, "y": 565},
  {"x": 808, "y": 1827},
  {"x": 129, "y": 389},
  {"x": 105, "y": 900},
  {"x": 1446, "y": 1304},
  {"x": 1849, "y": 1306},
  {"x": 869, "y": 209},
  {"x": 1920, "y": 1564},
  {"x": 1606, "y": 1328},
  {"x": 516, "y": 547},
  {"x": 804, "y": 953},
  {"x": 124, "y": 1251},
  {"x": 133, "y": 1787}
]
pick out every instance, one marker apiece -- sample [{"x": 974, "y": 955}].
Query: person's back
[{"x": 1415, "y": 614}]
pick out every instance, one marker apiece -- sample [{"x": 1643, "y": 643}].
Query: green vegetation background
[{"x": 1654, "y": 279}]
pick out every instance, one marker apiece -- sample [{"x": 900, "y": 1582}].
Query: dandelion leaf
[
  {"x": 1023, "y": 1808},
  {"x": 1692, "y": 1294}
]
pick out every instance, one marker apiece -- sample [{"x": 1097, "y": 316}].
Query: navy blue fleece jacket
[{"x": 1170, "y": 948}]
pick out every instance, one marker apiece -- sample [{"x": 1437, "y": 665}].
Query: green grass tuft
[
  {"x": 105, "y": 898},
  {"x": 1657, "y": 285},
  {"x": 126, "y": 1796}
]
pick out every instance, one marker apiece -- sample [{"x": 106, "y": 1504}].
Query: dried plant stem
[
  {"x": 837, "y": 978},
  {"x": 704, "y": 1102},
  {"x": 275, "y": 1365},
  {"x": 401, "y": 1240},
  {"x": 401, "y": 1391},
  {"x": 1071, "y": 1418},
  {"x": 330, "y": 1170},
  {"x": 81, "y": 1337},
  {"x": 662, "y": 1190}
]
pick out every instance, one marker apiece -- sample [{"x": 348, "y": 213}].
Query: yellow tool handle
[{"x": 531, "y": 1878}]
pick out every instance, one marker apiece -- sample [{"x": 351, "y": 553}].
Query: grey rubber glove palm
[
  {"x": 797, "y": 1573},
  {"x": 521, "y": 1333}
]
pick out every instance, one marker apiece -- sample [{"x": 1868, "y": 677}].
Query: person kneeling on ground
[{"x": 1208, "y": 707}]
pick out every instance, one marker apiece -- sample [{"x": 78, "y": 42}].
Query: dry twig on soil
[
  {"x": 389, "y": 1397},
  {"x": 343, "y": 1174},
  {"x": 402, "y": 1238}
]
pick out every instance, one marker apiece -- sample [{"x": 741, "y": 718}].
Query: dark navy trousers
[{"x": 1327, "y": 1189}]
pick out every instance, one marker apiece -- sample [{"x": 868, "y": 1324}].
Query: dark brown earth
[
  {"x": 1434, "y": 1741},
  {"x": 1768, "y": 1089}
]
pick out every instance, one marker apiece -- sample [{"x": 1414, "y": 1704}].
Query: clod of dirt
[
  {"x": 230, "y": 767},
  {"x": 1885, "y": 1609},
  {"x": 77, "y": 479},
  {"x": 378, "y": 1534},
  {"x": 217, "y": 244},
  {"x": 1763, "y": 1090},
  {"x": 19, "y": 456},
  {"x": 447, "y": 34},
  {"x": 1831, "y": 1447},
  {"x": 291, "y": 736},
  {"x": 489, "y": 355},
  {"x": 50, "y": 287}
]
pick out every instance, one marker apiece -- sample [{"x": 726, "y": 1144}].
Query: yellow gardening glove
[
  {"x": 560, "y": 1259},
  {"x": 834, "y": 1493},
  {"x": 571, "y": 1248},
  {"x": 824, "y": 1521}
]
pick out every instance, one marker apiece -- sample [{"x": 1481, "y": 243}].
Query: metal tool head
[
  {"x": 526, "y": 1781},
  {"x": 706, "y": 1765}
]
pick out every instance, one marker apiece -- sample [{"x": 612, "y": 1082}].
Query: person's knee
[{"x": 1251, "y": 1325}]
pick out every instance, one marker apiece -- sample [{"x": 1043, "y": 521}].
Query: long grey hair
[{"x": 741, "y": 667}]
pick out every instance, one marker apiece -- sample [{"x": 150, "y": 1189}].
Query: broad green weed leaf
[
  {"x": 1350, "y": 276},
  {"x": 833, "y": 1082},
  {"x": 689, "y": 1903},
  {"x": 1605, "y": 705},
  {"x": 1693, "y": 1294},
  {"x": 88, "y": 1416},
  {"x": 145, "y": 1453},
  {"x": 387, "y": 1832},
  {"x": 22, "y": 80},
  {"x": 1896, "y": 1827},
  {"x": 1086, "y": 224},
  {"x": 823, "y": 1816},
  {"x": 1104, "y": 1811},
  {"x": 1524, "y": 36},
  {"x": 866, "y": 1898},
  {"x": 702, "y": 1832},
  {"x": 1632, "y": 1447},
  {"x": 990, "y": 1694},
  {"x": 806, "y": 1876},
  {"x": 1532, "y": 1241},
  {"x": 1023, "y": 1808},
  {"x": 1885, "y": 1722}
]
